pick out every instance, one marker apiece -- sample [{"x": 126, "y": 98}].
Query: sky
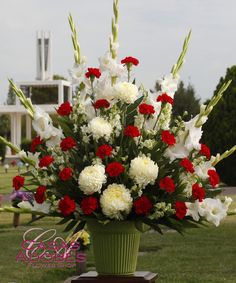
[{"x": 150, "y": 30}]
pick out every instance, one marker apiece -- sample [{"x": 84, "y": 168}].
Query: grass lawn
[
  {"x": 6, "y": 179},
  {"x": 202, "y": 255}
]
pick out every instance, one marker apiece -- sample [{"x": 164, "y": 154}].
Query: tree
[
  {"x": 5, "y": 126},
  {"x": 184, "y": 100},
  {"x": 11, "y": 97},
  {"x": 219, "y": 131}
]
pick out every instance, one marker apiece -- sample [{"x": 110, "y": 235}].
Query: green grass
[
  {"x": 6, "y": 179},
  {"x": 202, "y": 255}
]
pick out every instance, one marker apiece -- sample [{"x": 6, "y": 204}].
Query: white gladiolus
[
  {"x": 100, "y": 128},
  {"x": 78, "y": 70},
  {"x": 194, "y": 135},
  {"x": 42, "y": 123},
  {"x": 202, "y": 168},
  {"x": 44, "y": 207},
  {"x": 22, "y": 154},
  {"x": 169, "y": 85},
  {"x": 143, "y": 171},
  {"x": 55, "y": 139},
  {"x": 92, "y": 178},
  {"x": 126, "y": 92},
  {"x": 107, "y": 63},
  {"x": 193, "y": 209},
  {"x": 213, "y": 210},
  {"x": 104, "y": 90},
  {"x": 116, "y": 201},
  {"x": 186, "y": 141},
  {"x": 178, "y": 150},
  {"x": 32, "y": 156}
]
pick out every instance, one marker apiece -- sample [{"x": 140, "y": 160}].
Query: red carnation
[
  {"x": 146, "y": 109},
  {"x": 66, "y": 174},
  {"x": 93, "y": 72},
  {"x": 143, "y": 205},
  {"x": 67, "y": 143},
  {"x": 45, "y": 161},
  {"x": 180, "y": 209},
  {"x": 18, "y": 182},
  {"x": 130, "y": 60},
  {"x": 66, "y": 205},
  {"x": 164, "y": 97},
  {"x": 40, "y": 195},
  {"x": 101, "y": 103},
  {"x": 198, "y": 192},
  {"x": 104, "y": 150},
  {"x": 114, "y": 169},
  {"x": 168, "y": 138},
  {"x": 213, "y": 177},
  {"x": 205, "y": 150},
  {"x": 89, "y": 205},
  {"x": 64, "y": 109},
  {"x": 167, "y": 184},
  {"x": 132, "y": 131},
  {"x": 187, "y": 165},
  {"x": 35, "y": 142}
]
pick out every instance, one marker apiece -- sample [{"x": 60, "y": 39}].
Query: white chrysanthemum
[
  {"x": 92, "y": 178},
  {"x": 100, "y": 128},
  {"x": 116, "y": 201},
  {"x": 143, "y": 170},
  {"x": 126, "y": 92}
]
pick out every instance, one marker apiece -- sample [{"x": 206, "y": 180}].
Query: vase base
[{"x": 94, "y": 277}]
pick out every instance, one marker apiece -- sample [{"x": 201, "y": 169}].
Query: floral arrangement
[{"x": 117, "y": 154}]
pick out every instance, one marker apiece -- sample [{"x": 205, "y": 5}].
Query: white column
[
  {"x": 18, "y": 129},
  {"x": 13, "y": 128},
  {"x": 28, "y": 127},
  {"x": 60, "y": 93},
  {"x": 70, "y": 93}
]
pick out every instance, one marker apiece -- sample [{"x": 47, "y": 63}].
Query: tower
[{"x": 43, "y": 49}]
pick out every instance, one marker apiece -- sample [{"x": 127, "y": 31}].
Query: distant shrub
[
  {"x": 2, "y": 151},
  {"x": 25, "y": 145}
]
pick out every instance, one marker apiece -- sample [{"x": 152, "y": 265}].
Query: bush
[
  {"x": 2, "y": 151},
  {"x": 219, "y": 131},
  {"x": 25, "y": 145}
]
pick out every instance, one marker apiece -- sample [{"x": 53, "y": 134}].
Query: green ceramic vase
[{"x": 115, "y": 247}]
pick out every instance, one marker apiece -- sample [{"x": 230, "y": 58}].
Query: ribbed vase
[{"x": 115, "y": 247}]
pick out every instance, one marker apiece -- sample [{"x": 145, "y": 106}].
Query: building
[{"x": 45, "y": 92}]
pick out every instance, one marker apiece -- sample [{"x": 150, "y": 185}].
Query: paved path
[{"x": 229, "y": 191}]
